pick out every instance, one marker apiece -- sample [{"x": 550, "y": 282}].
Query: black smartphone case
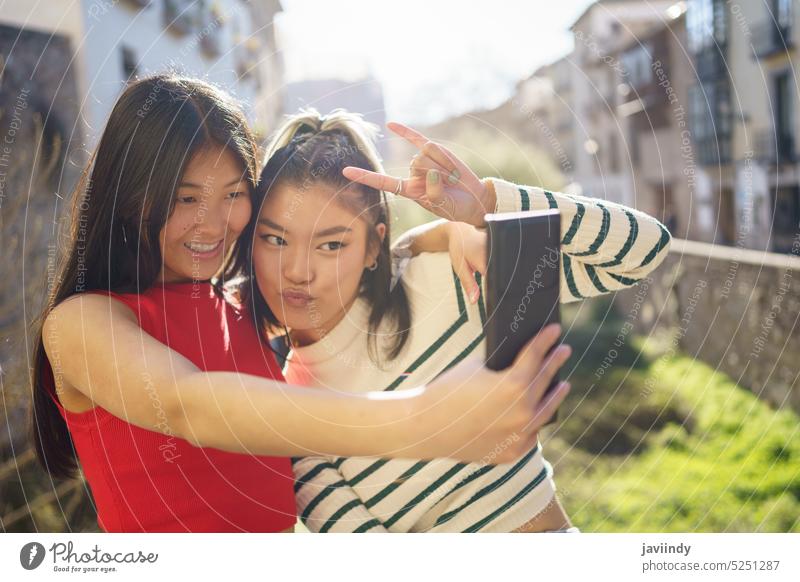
[{"x": 522, "y": 286}]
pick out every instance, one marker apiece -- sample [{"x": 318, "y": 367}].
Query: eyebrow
[
  {"x": 321, "y": 233},
  {"x": 193, "y": 185}
]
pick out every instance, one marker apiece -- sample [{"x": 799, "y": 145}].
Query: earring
[{"x": 373, "y": 266}]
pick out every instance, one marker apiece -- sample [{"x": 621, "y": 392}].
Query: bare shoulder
[
  {"x": 86, "y": 308},
  {"x": 62, "y": 333}
]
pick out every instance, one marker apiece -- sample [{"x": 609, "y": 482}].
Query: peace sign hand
[{"x": 438, "y": 181}]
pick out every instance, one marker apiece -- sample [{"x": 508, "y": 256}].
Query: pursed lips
[{"x": 296, "y": 298}]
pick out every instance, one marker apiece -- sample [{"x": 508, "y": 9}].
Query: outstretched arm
[
  {"x": 117, "y": 366},
  {"x": 605, "y": 246}
]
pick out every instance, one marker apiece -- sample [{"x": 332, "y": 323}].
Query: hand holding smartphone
[{"x": 523, "y": 279}]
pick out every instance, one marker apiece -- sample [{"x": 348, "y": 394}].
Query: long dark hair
[
  {"x": 121, "y": 203},
  {"x": 308, "y": 149}
]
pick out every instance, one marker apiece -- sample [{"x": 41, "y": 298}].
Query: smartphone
[{"x": 522, "y": 282}]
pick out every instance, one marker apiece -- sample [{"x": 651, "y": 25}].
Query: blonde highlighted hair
[{"x": 360, "y": 132}]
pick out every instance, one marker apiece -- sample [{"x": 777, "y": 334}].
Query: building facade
[
  {"x": 228, "y": 42},
  {"x": 654, "y": 126},
  {"x": 601, "y": 169},
  {"x": 686, "y": 110}
]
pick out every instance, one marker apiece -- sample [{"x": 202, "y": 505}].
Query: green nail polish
[
  {"x": 433, "y": 177},
  {"x": 454, "y": 176}
]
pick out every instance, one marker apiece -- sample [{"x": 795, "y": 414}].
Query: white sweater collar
[{"x": 353, "y": 328}]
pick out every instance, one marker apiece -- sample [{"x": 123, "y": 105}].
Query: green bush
[{"x": 675, "y": 446}]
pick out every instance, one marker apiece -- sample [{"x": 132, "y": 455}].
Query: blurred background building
[
  {"x": 107, "y": 42},
  {"x": 364, "y": 96},
  {"x": 685, "y": 110}
]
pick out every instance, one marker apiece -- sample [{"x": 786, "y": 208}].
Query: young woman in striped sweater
[{"x": 357, "y": 317}]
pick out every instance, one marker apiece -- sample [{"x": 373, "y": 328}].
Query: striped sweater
[{"x": 605, "y": 246}]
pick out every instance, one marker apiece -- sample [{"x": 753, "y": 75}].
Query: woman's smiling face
[
  {"x": 309, "y": 254},
  {"x": 212, "y": 207}
]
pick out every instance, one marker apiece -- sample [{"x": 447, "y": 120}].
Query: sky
[{"x": 434, "y": 58}]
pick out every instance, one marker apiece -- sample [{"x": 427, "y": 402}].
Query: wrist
[
  {"x": 450, "y": 229},
  {"x": 457, "y": 233},
  {"x": 490, "y": 195}
]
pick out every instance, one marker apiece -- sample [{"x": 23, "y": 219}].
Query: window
[
  {"x": 130, "y": 63},
  {"x": 710, "y": 116},
  {"x": 668, "y": 215},
  {"x": 699, "y": 107},
  {"x": 636, "y": 64},
  {"x": 633, "y": 145},
  {"x": 784, "y": 117},
  {"x": 706, "y": 24},
  {"x": 782, "y": 12},
  {"x": 184, "y": 16},
  {"x": 698, "y": 24},
  {"x": 786, "y": 217},
  {"x": 726, "y": 224}
]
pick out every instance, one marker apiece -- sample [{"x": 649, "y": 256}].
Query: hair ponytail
[{"x": 308, "y": 122}]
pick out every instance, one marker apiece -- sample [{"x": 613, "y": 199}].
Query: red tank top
[{"x": 143, "y": 480}]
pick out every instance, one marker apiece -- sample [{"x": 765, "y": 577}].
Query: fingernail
[
  {"x": 454, "y": 177},
  {"x": 433, "y": 177},
  {"x": 475, "y": 294}
]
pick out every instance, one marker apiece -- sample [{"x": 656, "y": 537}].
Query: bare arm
[
  {"x": 103, "y": 353},
  {"x": 465, "y": 243},
  {"x": 431, "y": 237},
  {"x": 124, "y": 370}
]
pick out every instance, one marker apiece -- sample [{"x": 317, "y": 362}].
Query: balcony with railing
[{"x": 711, "y": 63}]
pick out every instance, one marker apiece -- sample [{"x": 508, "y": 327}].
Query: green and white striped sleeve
[
  {"x": 326, "y": 502},
  {"x": 605, "y": 246}
]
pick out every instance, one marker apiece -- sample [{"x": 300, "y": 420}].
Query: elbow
[
  {"x": 657, "y": 254},
  {"x": 662, "y": 248}
]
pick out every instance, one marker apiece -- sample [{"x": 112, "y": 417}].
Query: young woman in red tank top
[{"x": 153, "y": 380}]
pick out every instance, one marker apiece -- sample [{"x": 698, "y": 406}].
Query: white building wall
[
  {"x": 598, "y": 33},
  {"x": 109, "y": 27}
]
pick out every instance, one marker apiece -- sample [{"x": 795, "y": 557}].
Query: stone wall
[
  {"x": 41, "y": 157},
  {"x": 735, "y": 309}
]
